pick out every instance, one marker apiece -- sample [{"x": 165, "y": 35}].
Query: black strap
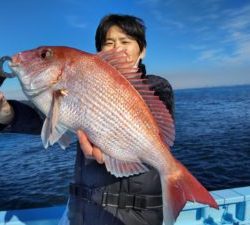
[{"x": 119, "y": 200}]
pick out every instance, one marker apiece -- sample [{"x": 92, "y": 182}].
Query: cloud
[
  {"x": 209, "y": 54},
  {"x": 209, "y": 40},
  {"x": 167, "y": 23},
  {"x": 197, "y": 47},
  {"x": 76, "y": 22},
  {"x": 221, "y": 28},
  {"x": 159, "y": 10},
  {"x": 240, "y": 55},
  {"x": 228, "y": 39}
]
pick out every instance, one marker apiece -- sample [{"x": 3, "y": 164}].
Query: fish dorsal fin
[
  {"x": 122, "y": 168},
  {"x": 119, "y": 60}
]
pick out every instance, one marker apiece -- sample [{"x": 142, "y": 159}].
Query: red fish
[{"x": 104, "y": 96}]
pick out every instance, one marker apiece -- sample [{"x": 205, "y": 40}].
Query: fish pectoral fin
[
  {"x": 65, "y": 140},
  {"x": 121, "y": 168},
  {"x": 45, "y": 133},
  {"x": 49, "y": 131},
  {"x": 61, "y": 135}
]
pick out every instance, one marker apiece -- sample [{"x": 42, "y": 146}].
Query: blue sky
[{"x": 191, "y": 43}]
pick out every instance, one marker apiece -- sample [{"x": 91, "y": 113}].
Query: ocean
[{"x": 212, "y": 141}]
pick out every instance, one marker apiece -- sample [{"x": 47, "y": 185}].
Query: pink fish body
[{"x": 102, "y": 95}]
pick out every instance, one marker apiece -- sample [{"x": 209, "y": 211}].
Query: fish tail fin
[{"x": 179, "y": 187}]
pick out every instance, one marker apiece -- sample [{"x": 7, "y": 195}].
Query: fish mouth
[
  {"x": 13, "y": 65},
  {"x": 16, "y": 60}
]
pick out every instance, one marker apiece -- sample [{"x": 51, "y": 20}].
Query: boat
[{"x": 234, "y": 209}]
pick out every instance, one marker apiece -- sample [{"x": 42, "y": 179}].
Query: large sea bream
[{"x": 104, "y": 95}]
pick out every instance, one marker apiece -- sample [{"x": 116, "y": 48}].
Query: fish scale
[
  {"x": 97, "y": 99},
  {"x": 100, "y": 100},
  {"x": 112, "y": 122}
]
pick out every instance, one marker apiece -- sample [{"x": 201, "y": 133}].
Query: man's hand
[
  {"x": 6, "y": 111},
  {"x": 88, "y": 148}
]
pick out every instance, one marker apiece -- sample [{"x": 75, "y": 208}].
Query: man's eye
[{"x": 108, "y": 43}]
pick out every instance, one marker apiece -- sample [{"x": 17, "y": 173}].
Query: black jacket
[{"x": 89, "y": 174}]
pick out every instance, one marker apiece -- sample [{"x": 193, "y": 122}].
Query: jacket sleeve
[
  {"x": 26, "y": 119},
  {"x": 164, "y": 90}
]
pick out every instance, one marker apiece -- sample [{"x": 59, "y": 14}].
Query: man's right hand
[
  {"x": 6, "y": 111},
  {"x": 89, "y": 150}
]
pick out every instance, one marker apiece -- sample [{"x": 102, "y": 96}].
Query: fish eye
[{"x": 46, "y": 53}]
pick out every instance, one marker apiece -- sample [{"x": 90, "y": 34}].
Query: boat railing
[{"x": 234, "y": 209}]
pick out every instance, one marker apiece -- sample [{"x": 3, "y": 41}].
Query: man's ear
[
  {"x": 143, "y": 53},
  {"x": 141, "y": 56}
]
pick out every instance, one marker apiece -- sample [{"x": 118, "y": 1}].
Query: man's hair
[{"x": 130, "y": 25}]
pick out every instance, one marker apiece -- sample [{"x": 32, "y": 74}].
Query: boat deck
[{"x": 234, "y": 210}]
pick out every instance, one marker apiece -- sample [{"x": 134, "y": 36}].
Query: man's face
[{"x": 116, "y": 38}]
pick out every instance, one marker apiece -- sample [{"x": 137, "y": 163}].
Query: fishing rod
[{"x": 4, "y": 75}]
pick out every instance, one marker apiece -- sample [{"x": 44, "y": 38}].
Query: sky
[{"x": 191, "y": 43}]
